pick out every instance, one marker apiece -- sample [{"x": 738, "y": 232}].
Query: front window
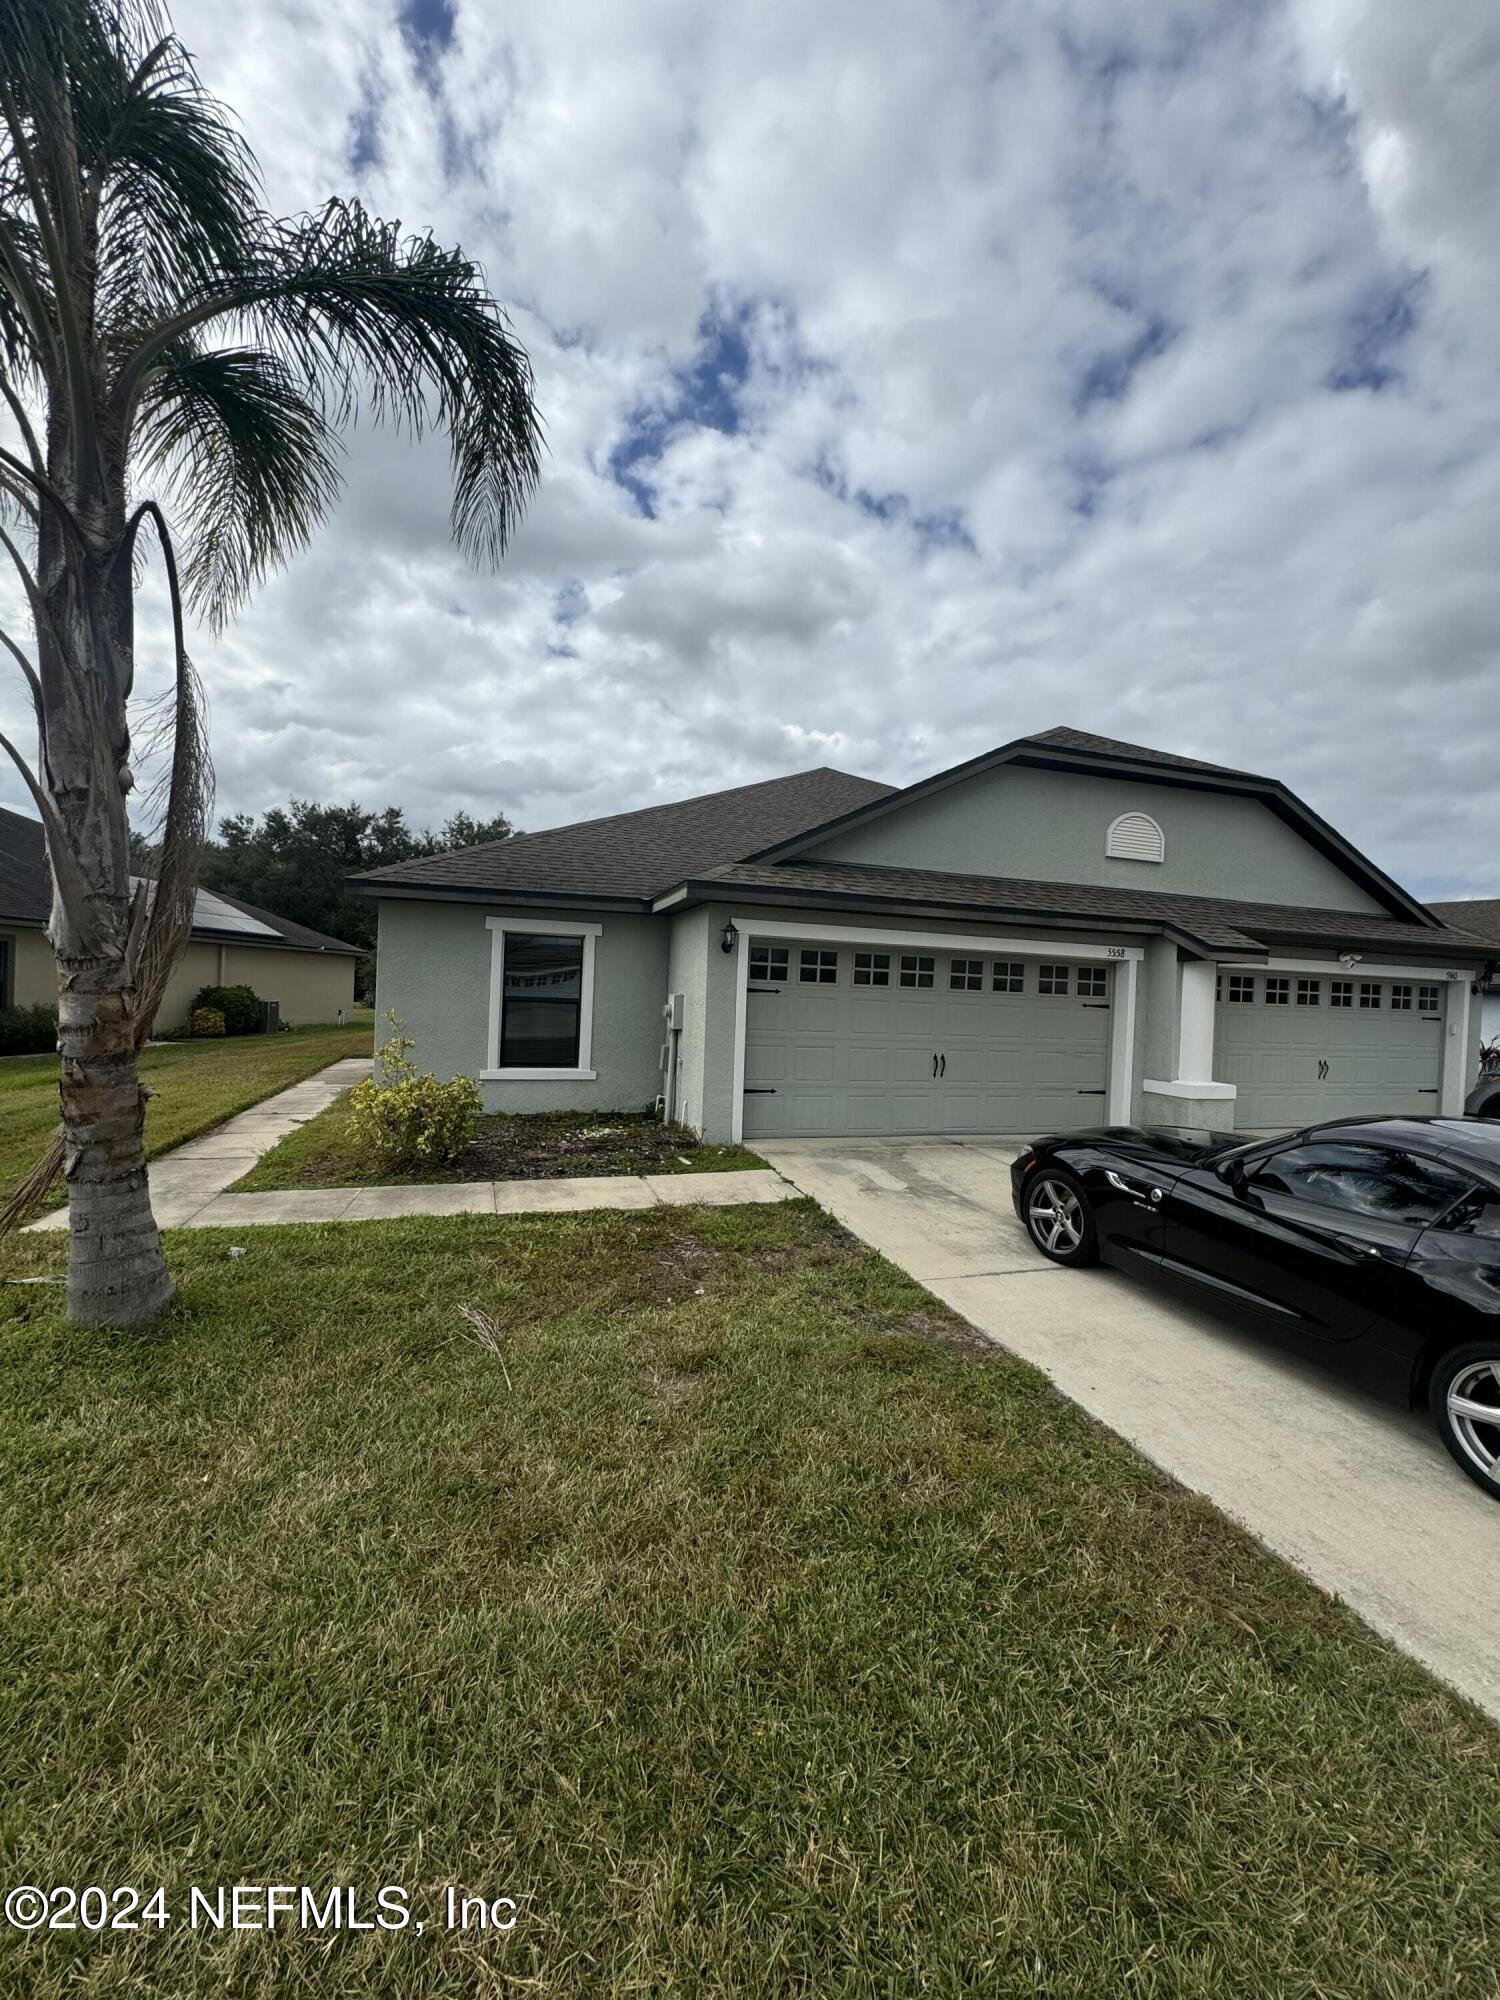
[
  {"x": 966, "y": 975},
  {"x": 541, "y": 1005}
]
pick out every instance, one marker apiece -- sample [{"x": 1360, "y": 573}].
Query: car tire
[
  {"x": 1059, "y": 1220},
  {"x": 1466, "y": 1380}
]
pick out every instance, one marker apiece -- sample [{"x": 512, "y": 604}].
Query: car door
[{"x": 1315, "y": 1234}]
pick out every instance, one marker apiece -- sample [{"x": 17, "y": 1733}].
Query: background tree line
[{"x": 296, "y": 860}]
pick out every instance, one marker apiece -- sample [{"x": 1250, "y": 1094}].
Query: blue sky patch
[
  {"x": 705, "y": 392},
  {"x": 1373, "y": 337}
]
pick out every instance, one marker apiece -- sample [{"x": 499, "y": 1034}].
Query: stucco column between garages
[{"x": 1185, "y": 1091}]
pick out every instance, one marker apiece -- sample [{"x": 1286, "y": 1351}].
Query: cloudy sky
[{"x": 915, "y": 376}]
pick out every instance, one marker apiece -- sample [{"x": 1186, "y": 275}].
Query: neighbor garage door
[
  {"x": 840, "y": 1039},
  {"x": 1302, "y": 1048}
]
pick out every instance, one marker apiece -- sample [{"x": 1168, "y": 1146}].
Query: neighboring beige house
[{"x": 311, "y": 977}]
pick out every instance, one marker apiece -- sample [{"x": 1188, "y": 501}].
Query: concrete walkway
[
  {"x": 1358, "y": 1494},
  {"x": 188, "y": 1186}
]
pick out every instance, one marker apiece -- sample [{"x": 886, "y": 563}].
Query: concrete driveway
[{"x": 1358, "y": 1494}]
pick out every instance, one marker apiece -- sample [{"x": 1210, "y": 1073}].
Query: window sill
[{"x": 538, "y": 1075}]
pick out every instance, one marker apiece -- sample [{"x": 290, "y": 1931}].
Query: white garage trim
[
  {"x": 1453, "y": 1074},
  {"x": 1127, "y": 958}
]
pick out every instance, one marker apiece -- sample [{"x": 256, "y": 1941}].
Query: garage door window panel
[
  {"x": 966, "y": 975},
  {"x": 872, "y": 968},
  {"x": 1241, "y": 989},
  {"x": 918, "y": 971},
  {"x": 769, "y": 964},
  {"x": 1341, "y": 993},
  {"x": 1053, "y": 979},
  {"x": 1009, "y": 975},
  {"x": 1430, "y": 999},
  {"x": 1309, "y": 992},
  {"x": 1369, "y": 995},
  {"x": 818, "y": 968},
  {"x": 1278, "y": 992},
  {"x": 1401, "y": 999}
]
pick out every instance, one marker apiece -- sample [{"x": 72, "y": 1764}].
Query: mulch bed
[{"x": 541, "y": 1147}]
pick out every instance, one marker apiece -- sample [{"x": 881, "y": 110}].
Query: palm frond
[
  {"x": 250, "y": 459},
  {"x": 365, "y": 316}
]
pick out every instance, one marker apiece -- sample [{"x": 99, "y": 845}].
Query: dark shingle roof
[
  {"x": 26, "y": 896},
  {"x": 1108, "y": 746},
  {"x": 639, "y": 854},
  {"x": 1220, "y": 922},
  {"x": 1481, "y": 915}
]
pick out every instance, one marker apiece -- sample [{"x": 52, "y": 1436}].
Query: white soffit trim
[{"x": 1059, "y": 947}]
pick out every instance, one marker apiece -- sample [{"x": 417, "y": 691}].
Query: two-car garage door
[
  {"x": 1301, "y": 1048},
  {"x": 846, "y": 1040}
]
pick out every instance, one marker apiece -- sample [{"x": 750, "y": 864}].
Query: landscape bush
[
  {"x": 404, "y": 1117},
  {"x": 240, "y": 1006},
  {"x": 27, "y": 1031},
  {"x": 207, "y": 1021}
]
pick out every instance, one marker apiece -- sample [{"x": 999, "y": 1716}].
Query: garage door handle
[
  {"x": 934, "y": 1065},
  {"x": 943, "y": 1066}
]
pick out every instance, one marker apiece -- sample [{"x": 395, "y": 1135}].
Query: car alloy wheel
[
  {"x": 1056, "y": 1216},
  {"x": 1473, "y": 1402}
]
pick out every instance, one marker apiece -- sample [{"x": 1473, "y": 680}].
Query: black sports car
[{"x": 1378, "y": 1237}]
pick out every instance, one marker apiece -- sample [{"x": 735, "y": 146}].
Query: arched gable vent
[{"x": 1135, "y": 836}]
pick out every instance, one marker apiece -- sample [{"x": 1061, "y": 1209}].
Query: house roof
[
  {"x": 634, "y": 856},
  {"x": 26, "y": 898},
  {"x": 1480, "y": 915},
  {"x": 1076, "y": 750},
  {"x": 1219, "y": 923}
]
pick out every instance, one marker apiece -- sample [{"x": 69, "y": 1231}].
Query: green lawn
[
  {"x": 752, "y": 1629},
  {"x": 198, "y": 1084},
  {"x": 540, "y": 1145}
]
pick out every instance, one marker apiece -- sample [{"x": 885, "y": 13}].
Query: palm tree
[{"x": 171, "y": 353}]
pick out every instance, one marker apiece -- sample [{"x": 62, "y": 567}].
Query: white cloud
[{"x": 1131, "y": 368}]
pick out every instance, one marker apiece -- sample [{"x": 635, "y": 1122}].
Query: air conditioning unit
[{"x": 270, "y": 1016}]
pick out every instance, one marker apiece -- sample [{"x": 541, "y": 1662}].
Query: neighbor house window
[
  {"x": 541, "y": 1006},
  {"x": 768, "y": 962},
  {"x": 1241, "y": 989},
  {"x": 819, "y": 968},
  {"x": 1052, "y": 978},
  {"x": 966, "y": 975},
  {"x": 1010, "y": 976},
  {"x": 917, "y": 971},
  {"x": 872, "y": 968},
  {"x": 1093, "y": 982},
  {"x": 1369, "y": 994},
  {"x": 1309, "y": 992},
  {"x": 1429, "y": 999},
  {"x": 1278, "y": 992},
  {"x": 1341, "y": 992},
  {"x": 1400, "y": 999}
]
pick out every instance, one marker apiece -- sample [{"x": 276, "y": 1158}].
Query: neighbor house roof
[
  {"x": 1481, "y": 915},
  {"x": 1222, "y": 923},
  {"x": 636, "y": 855},
  {"x": 26, "y": 898}
]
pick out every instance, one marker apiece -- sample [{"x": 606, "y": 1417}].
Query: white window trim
[
  {"x": 1125, "y": 958},
  {"x": 540, "y": 927}
]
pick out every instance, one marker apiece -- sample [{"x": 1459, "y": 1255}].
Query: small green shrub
[
  {"x": 207, "y": 1021},
  {"x": 27, "y": 1031},
  {"x": 405, "y": 1118},
  {"x": 239, "y": 1005}
]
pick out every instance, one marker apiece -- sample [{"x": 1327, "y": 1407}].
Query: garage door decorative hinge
[
  {"x": 760, "y": 1090},
  {"x": 1092, "y": 1093}
]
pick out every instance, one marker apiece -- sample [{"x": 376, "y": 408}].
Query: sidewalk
[{"x": 188, "y": 1185}]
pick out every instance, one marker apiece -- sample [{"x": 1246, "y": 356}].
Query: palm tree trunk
[{"x": 117, "y": 1275}]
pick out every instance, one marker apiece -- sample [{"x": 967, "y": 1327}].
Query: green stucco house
[{"x": 1066, "y": 931}]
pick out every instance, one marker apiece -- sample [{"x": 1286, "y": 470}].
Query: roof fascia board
[
  {"x": 709, "y": 890},
  {"x": 1270, "y": 791},
  {"x": 545, "y": 899}
]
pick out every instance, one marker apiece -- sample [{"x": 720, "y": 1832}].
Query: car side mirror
[{"x": 1232, "y": 1173}]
